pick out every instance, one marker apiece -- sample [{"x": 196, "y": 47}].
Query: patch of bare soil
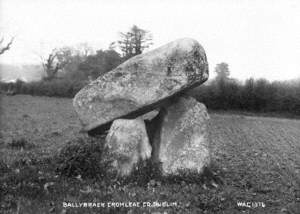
[{"x": 260, "y": 158}]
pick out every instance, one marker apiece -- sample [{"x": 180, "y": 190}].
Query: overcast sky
[{"x": 256, "y": 38}]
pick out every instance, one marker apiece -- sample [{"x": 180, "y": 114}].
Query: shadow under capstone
[{"x": 164, "y": 103}]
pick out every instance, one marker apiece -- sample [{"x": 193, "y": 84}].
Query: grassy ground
[{"x": 256, "y": 158}]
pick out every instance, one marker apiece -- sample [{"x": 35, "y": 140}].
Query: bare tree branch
[
  {"x": 5, "y": 47},
  {"x": 50, "y": 66}
]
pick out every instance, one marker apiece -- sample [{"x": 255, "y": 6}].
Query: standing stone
[
  {"x": 141, "y": 84},
  {"x": 128, "y": 143},
  {"x": 182, "y": 141}
]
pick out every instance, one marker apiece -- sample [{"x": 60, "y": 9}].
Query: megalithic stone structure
[
  {"x": 177, "y": 137},
  {"x": 141, "y": 84}
]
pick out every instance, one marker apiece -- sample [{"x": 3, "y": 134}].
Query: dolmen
[{"x": 143, "y": 105}]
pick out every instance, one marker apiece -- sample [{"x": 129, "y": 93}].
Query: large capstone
[
  {"x": 181, "y": 140},
  {"x": 142, "y": 84},
  {"x": 128, "y": 143}
]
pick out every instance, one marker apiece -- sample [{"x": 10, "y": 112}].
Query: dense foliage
[
  {"x": 100, "y": 63},
  {"x": 54, "y": 88},
  {"x": 257, "y": 95},
  {"x": 84, "y": 157},
  {"x": 221, "y": 93},
  {"x": 76, "y": 71}
]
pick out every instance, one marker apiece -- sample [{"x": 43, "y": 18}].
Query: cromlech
[{"x": 143, "y": 106}]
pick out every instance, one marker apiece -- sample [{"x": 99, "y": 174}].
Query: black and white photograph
[{"x": 150, "y": 107}]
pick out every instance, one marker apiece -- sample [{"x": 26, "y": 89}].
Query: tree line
[
  {"x": 255, "y": 95},
  {"x": 81, "y": 63},
  {"x": 68, "y": 69}
]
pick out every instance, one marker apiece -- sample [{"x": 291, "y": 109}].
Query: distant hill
[{"x": 27, "y": 73}]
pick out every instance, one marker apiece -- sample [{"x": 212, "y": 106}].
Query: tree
[
  {"x": 5, "y": 47},
  {"x": 66, "y": 60},
  {"x": 222, "y": 84},
  {"x": 261, "y": 94},
  {"x": 222, "y": 71},
  {"x": 50, "y": 65},
  {"x": 222, "y": 77},
  {"x": 84, "y": 50},
  {"x": 248, "y": 94},
  {"x": 134, "y": 42},
  {"x": 100, "y": 63}
]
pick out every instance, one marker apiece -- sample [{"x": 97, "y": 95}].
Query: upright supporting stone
[
  {"x": 182, "y": 140},
  {"x": 128, "y": 143}
]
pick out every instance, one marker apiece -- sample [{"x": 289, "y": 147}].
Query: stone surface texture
[
  {"x": 183, "y": 141},
  {"x": 128, "y": 143},
  {"x": 142, "y": 83}
]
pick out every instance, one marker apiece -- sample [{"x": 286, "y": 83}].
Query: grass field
[{"x": 257, "y": 158}]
